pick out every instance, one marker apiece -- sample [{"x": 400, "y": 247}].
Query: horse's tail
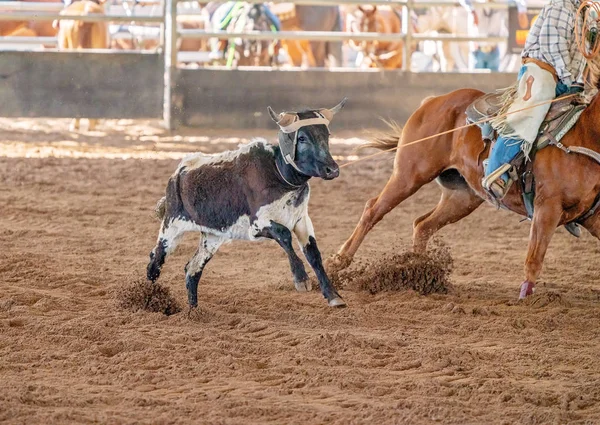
[{"x": 385, "y": 140}]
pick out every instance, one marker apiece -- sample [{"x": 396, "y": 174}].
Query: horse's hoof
[
  {"x": 305, "y": 286},
  {"x": 336, "y": 302},
  {"x": 337, "y": 262},
  {"x": 527, "y": 289}
]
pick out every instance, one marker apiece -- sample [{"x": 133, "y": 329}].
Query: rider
[
  {"x": 552, "y": 66},
  {"x": 491, "y": 22}
]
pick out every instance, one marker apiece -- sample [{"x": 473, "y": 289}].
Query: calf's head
[{"x": 304, "y": 140}]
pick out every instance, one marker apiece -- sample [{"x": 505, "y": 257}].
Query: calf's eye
[{"x": 301, "y": 139}]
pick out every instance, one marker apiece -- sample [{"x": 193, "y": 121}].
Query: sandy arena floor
[{"x": 77, "y": 224}]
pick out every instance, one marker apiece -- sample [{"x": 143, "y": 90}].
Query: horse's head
[
  {"x": 364, "y": 19},
  {"x": 256, "y": 52},
  {"x": 304, "y": 140},
  {"x": 367, "y": 18}
]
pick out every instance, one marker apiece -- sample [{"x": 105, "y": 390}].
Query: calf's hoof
[
  {"x": 527, "y": 289},
  {"x": 152, "y": 272},
  {"x": 304, "y": 286},
  {"x": 336, "y": 302}
]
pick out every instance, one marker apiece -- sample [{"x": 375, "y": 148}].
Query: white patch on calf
[
  {"x": 304, "y": 230},
  {"x": 173, "y": 232},
  {"x": 207, "y": 247},
  {"x": 200, "y": 159},
  {"x": 282, "y": 211}
]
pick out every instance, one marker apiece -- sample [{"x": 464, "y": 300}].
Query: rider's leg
[{"x": 521, "y": 124}]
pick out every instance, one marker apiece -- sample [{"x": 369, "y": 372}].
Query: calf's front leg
[
  {"x": 283, "y": 236},
  {"x": 306, "y": 236}
]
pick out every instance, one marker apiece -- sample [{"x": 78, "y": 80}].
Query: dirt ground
[{"x": 77, "y": 223}]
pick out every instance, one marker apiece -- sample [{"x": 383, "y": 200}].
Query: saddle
[
  {"x": 561, "y": 117},
  {"x": 286, "y": 12}
]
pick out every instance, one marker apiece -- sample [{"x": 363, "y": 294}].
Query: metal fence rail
[{"x": 167, "y": 21}]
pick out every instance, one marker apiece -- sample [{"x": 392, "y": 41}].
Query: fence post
[
  {"x": 170, "y": 55},
  {"x": 407, "y": 29}
]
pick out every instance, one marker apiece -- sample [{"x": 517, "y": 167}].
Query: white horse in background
[{"x": 445, "y": 20}]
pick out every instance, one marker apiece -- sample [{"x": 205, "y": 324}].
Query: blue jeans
[
  {"x": 504, "y": 150},
  {"x": 487, "y": 60}
]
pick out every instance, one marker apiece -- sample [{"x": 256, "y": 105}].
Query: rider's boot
[{"x": 498, "y": 182}]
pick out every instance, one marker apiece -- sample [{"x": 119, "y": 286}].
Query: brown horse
[
  {"x": 28, "y": 28},
  {"x": 383, "y": 20},
  {"x": 299, "y": 51},
  {"x": 567, "y": 185},
  {"x": 76, "y": 35}
]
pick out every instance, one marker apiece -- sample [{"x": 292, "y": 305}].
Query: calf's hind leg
[
  {"x": 168, "y": 239},
  {"x": 207, "y": 247},
  {"x": 283, "y": 236}
]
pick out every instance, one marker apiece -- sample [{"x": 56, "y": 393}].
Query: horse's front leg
[
  {"x": 306, "y": 236},
  {"x": 545, "y": 220}
]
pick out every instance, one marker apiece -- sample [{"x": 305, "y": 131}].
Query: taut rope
[{"x": 414, "y": 142}]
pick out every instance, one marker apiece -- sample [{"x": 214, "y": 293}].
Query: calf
[{"x": 257, "y": 191}]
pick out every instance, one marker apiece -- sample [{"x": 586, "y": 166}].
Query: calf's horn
[
  {"x": 284, "y": 119},
  {"x": 329, "y": 113}
]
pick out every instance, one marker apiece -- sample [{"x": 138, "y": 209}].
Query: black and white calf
[{"x": 257, "y": 191}]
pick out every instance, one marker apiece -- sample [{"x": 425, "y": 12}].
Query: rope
[
  {"x": 588, "y": 10},
  {"x": 586, "y": 37},
  {"x": 414, "y": 142}
]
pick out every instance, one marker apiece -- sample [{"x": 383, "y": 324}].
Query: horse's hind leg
[{"x": 454, "y": 205}]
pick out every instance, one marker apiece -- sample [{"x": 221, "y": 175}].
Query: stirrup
[{"x": 494, "y": 184}]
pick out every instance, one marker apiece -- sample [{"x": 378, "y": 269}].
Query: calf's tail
[{"x": 161, "y": 208}]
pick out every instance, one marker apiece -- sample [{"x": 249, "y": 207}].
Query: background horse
[
  {"x": 384, "y": 20},
  {"x": 76, "y": 35},
  {"x": 28, "y": 28},
  {"x": 322, "y": 18},
  {"x": 240, "y": 17},
  {"x": 445, "y": 20},
  {"x": 299, "y": 51},
  {"x": 566, "y": 185}
]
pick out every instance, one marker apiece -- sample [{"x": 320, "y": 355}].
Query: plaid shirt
[{"x": 552, "y": 40}]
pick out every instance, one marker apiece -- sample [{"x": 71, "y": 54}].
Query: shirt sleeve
[{"x": 555, "y": 33}]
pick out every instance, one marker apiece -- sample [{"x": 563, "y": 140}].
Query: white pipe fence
[{"x": 169, "y": 33}]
